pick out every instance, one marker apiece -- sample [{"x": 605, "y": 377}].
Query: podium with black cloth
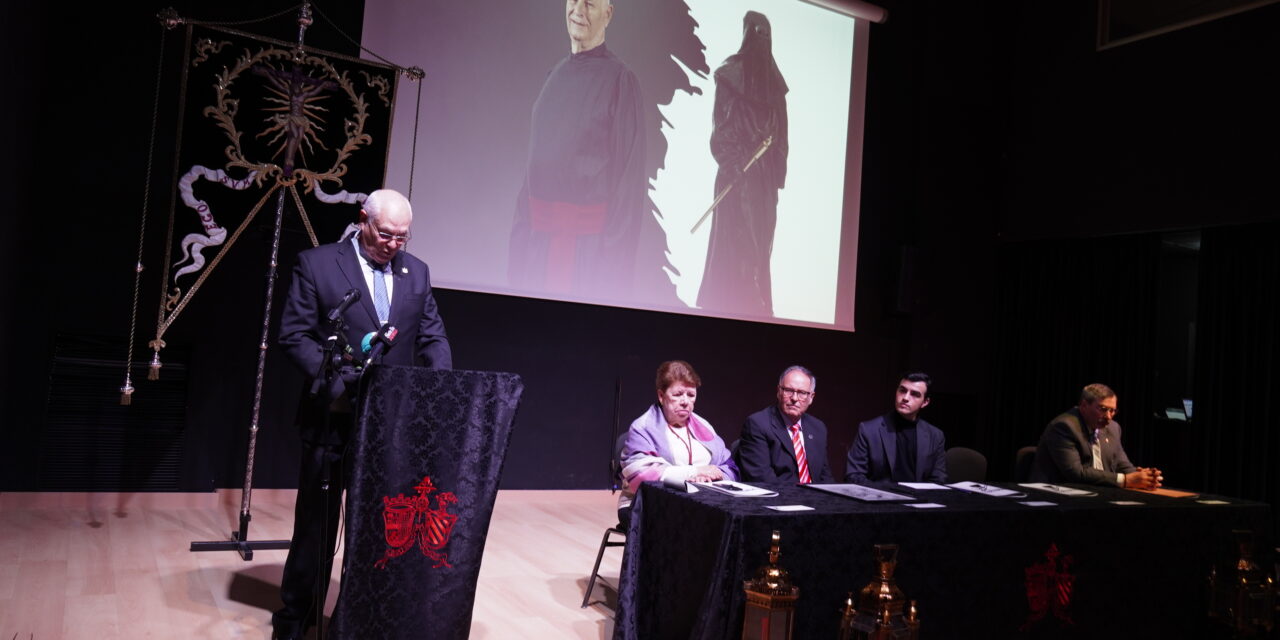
[{"x": 425, "y": 462}]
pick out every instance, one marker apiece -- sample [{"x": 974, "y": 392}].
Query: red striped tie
[{"x": 797, "y": 442}]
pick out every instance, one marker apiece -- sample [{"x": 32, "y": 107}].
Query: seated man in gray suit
[
  {"x": 898, "y": 446},
  {"x": 782, "y": 443},
  {"x": 1083, "y": 446}
]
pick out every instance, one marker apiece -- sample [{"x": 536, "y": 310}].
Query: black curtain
[
  {"x": 1237, "y": 379},
  {"x": 1070, "y": 313}
]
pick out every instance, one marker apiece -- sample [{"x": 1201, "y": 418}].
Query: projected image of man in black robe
[
  {"x": 750, "y": 106},
  {"x": 579, "y": 210}
]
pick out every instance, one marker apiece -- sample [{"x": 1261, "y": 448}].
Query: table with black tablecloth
[{"x": 1134, "y": 571}]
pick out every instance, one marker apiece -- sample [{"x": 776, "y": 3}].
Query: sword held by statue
[{"x": 764, "y": 146}]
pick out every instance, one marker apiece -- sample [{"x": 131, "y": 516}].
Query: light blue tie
[{"x": 381, "y": 303}]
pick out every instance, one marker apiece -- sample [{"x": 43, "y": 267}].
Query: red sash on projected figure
[{"x": 566, "y": 222}]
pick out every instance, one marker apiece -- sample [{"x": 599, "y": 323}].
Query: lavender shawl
[{"x": 645, "y": 454}]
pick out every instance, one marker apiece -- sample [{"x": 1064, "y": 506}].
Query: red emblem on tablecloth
[
  {"x": 1049, "y": 588},
  {"x": 412, "y": 519}
]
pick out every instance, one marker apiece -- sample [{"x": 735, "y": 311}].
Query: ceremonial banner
[
  {"x": 259, "y": 116},
  {"x": 425, "y": 461}
]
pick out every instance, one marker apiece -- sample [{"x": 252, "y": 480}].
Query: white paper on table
[
  {"x": 927, "y": 505},
  {"x": 1128, "y": 503},
  {"x": 735, "y": 489},
  {"x": 924, "y": 485},
  {"x": 1057, "y": 488},
  {"x": 859, "y": 492},
  {"x": 1038, "y": 503},
  {"x": 1213, "y": 502},
  {"x": 987, "y": 490},
  {"x": 789, "y": 507}
]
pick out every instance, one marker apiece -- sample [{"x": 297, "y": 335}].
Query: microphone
[
  {"x": 376, "y": 343},
  {"x": 353, "y": 295}
]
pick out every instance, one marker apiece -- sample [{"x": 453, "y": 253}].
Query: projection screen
[{"x": 530, "y": 180}]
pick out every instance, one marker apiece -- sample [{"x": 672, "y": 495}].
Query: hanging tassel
[
  {"x": 154, "y": 372},
  {"x": 126, "y": 392}
]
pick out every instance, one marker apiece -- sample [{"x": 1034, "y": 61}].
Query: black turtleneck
[{"x": 904, "y": 468}]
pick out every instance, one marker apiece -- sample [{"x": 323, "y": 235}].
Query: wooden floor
[{"x": 107, "y": 566}]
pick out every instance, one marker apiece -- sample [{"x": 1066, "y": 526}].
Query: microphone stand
[
  {"x": 328, "y": 361},
  {"x": 334, "y": 346}
]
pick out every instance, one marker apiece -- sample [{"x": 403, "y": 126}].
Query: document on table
[
  {"x": 789, "y": 507},
  {"x": 736, "y": 489},
  {"x": 859, "y": 492},
  {"x": 924, "y": 485},
  {"x": 987, "y": 490},
  {"x": 1058, "y": 489}
]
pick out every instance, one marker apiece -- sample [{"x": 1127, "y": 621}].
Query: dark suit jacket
[
  {"x": 322, "y": 277},
  {"x": 1065, "y": 454},
  {"x": 874, "y": 453},
  {"x": 765, "y": 453}
]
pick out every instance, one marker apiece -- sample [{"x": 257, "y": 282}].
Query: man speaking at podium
[{"x": 372, "y": 284}]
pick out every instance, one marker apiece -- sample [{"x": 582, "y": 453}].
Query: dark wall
[
  {"x": 1174, "y": 131},
  {"x": 984, "y": 123}
]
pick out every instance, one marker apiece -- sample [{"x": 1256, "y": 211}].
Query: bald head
[{"x": 384, "y": 224}]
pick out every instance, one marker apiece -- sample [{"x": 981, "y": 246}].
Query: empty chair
[
  {"x": 616, "y": 530},
  {"x": 1022, "y": 464},
  {"x": 966, "y": 465}
]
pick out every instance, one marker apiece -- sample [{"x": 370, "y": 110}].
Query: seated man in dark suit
[
  {"x": 1083, "y": 446},
  {"x": 898, "y": 446},
  {"x": 783, "y": 444}
]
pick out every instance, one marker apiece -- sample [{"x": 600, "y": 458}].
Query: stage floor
[{"x": 107, "y": 566}]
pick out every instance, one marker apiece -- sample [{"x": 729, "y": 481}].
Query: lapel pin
[{"x": 404, "y": 269}]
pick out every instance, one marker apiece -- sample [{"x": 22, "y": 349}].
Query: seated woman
[{"x": 671, "y": 443}]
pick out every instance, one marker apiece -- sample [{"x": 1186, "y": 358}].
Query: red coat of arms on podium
[
  {"x": 1049, "y": 585},
  {"x": 413, "y": 520}
]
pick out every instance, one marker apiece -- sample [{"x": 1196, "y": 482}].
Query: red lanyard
[{"x": 687, "y": 442}]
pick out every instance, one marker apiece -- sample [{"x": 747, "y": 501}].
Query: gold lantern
[
  {"x": 883, "y": 612},
  {"x": 1243, "y": 597},
  {"x": 771, "y": 600}
]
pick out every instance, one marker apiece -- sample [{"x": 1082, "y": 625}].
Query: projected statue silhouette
[{"x": 750, "y": 109}]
